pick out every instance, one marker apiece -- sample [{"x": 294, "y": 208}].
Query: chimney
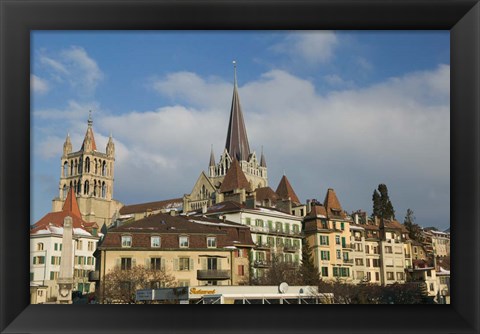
[
  {"x": 309, "y": 205},
  {"x": 173, "y": 212},
  {"x": 250, "y": 201}
]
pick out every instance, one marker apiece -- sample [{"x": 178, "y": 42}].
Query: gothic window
[
  {"x": 86, "y": 187},
  {"x": 104, "y": 169},
  {"x": 65, "y": 169},
  {"x": 104, "y": 189},
  {"x": 79, "y": 187},
  {"x": 96, "y": 166},
  {"x": 64, "y": 191},
  {"x": 95, "y": 187},
  {"x": 75, "y": 186},
  {"x": 80, "y": 166},
  {"x": 76, "y": 167},
  {"x": 87, "y": 165},
  {"x": 71, "y": 167}
]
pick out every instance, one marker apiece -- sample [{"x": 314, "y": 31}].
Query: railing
[
  {"x": 254, "y": 228},
  {"x": 261, "y": 264},
  {"x": 264, "y": 245},
  {"x": 348, "y": 261},
  {"x": 290, "y": 248},
  {"x": 348, "y": 246},
  {"x": 212, "y": 274},
  {"x": 94, "y": 276}
]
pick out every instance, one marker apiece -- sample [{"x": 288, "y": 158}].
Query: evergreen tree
[
  {"x": 308, "y": 271},
  {"x": 382, "y": 206},
  {"x": 377, "y": 205}
]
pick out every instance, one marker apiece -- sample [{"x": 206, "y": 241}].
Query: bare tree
[{"x": 120, "y": 285}]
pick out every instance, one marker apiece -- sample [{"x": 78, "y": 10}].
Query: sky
[{"x": 346, "y": 110}]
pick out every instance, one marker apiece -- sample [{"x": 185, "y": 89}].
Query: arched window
[
  {"x": 95, "y": 187},
  {"x": 65, "y": 169},
  {"x": 86, "y": 187},
  {"x": 80, "y": 166},
  {"x": 40, "y": 246},
  {"x": 104, "y": 169},
  {"x": 64, "y": 191},
  {"x": 104, "y": 190},
  {"x": 75, "y": 186},
  {"x": 79, "y": 187},
  {"x": 87, "y": 165},
  {"x": 76, "y": 167},
  {"x": 96, "y": 166}
]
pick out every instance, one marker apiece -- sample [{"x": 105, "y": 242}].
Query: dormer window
[
  {"x": 211, "y": 242},
  {"x": 126, "y": 241},
  {"x": 155, "y": 241},
  {"x": 183, "y": 241}
]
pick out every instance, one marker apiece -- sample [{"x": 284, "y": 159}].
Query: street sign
[{"x": 142, "y": 295}]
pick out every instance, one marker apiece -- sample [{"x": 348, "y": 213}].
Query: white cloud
[
  {"x": 75, "y": 66},
  {"x": 38, "y": 85},
  {"x": 313, "y": 47}
]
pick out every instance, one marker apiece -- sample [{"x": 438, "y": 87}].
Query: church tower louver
[
  {"x": 238, "y": 148},
  {"x": 90, "y": 173}
]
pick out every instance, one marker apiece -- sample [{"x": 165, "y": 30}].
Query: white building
[{"x": 46, "y": 249}]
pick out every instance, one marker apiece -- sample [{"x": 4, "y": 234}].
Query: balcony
[
  {"x": 94, "y": 276},
  {"x": 263, "y": 245},
  {"x": 261, "y": 264},
  {"x": 210, "y": 275},
  {"x": 348, "y": 246},
  {"x": 348, "y": 261},
  {"x": 260, "y": 229},
  {"x": 290, "y": 248}
]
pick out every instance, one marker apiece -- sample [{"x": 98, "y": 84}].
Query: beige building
[
  {"x": 91, "y": 174},
  {"x": 327, "y": 232},
  {"x": 194, "y": 250}
]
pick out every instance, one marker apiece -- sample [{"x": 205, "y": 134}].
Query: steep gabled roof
[
  {"x": 237, "y": 141},
  {"x": 234, "y": 179},
  {"x": 332, "y": 205},
  {"x": 285, "y": 191},
  {"x": 89, "y": 136},
  {"x": 71, "y": 204},
  {"x": 317, "y": 211}
]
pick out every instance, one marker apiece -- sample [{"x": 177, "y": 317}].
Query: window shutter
[
  {"x": 118, "y": 263},
  {"x": 53, "y": 260},
  {"x": 190, "y": 267},
  {"x": 175, "y": 264},
  {"x": 328, "y": 255}
]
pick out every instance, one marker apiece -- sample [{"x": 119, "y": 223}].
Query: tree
[
  {"x": 414, "y": 231},
  {"x": 120, "y": 286},
  {"x": 279, "y": 272},
  {"x": 308, "y": 271},
  {"x": 382, "y": 206}
]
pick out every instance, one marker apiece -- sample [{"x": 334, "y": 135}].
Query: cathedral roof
[
  {"x": 285, "y": 191},
  {"x": 89, "y": 137},
  {"x": 237, "y": 140},
  {"x": 55, "y": 219},
  {"x": 263, "y": 162},
  {"x": 234, "y": 179},
  {"x": 212, "y": 158}
]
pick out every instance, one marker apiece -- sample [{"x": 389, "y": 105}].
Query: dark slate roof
[
  {"x": 212, "y": 158},
  {"x": 263, "y": 162},
  {"x": 234, "y": 179},
  {"x": 227, "y": 206},
  {"x": 237, "y": 141},
  {"x": 151, "y": 206},
  {"x": 285, "y": 191}
]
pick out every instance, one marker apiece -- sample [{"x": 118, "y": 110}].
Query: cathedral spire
[
  {"x": 263, "y": 162},
  {"x": 89, "y": 140},
  {"x": 67, "y": 146},
  {"x": 237, "y": 140},
  {"x": 212, "y": 159}
]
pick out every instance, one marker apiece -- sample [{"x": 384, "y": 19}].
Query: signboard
[{"x": 142, "y": 295}]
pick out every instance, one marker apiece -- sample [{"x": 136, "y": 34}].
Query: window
[
  {"x": 270, "y": 241},
  {"x": 91, "y": 246},
  {"x": 287, "y": 228},
  {"x": 325, "y": 271},
  {"x": 54, "y": 275},
  {"x": 359, "y": 262},
  {"x": 241, "y": 270},
  {"x": 390, "y": 276},
  {"x": 39, "y": 260},
  {"x": 342, "y": 226},
  {"x": 55, "y": 260},
  {"x": 184, "y": 263},
  {"x": 325, "y": 255},
  {"x": 279, "y": 242},
  {"x": 259, "y": 222},
  {"x": 156, "y": 263},
  {"x": 337, "y": 240},
  {"x": 345, "y": 256},
  {"x": 376, "y": 262},
  {"x": 183, "y": 242},
  {"x": 211, "y": 242},
  {"x": 367, "y": 261},
  {"x": 388, "y": 249},
  {"x": 296, "y": 229},
  {"x": 339, "y": 254},
  {"x": 429, "y": 273},
  {"x": 367, "y": 249},
  {"x": 431, "y": 287},
  {"x": 40, "y": 246},
  {"x": 126, "y": 263},
  {"x": 155, "y": 241},
  {"x": 79, "y": 244},
  {"x": 400, "y": 277},
  {"x": 126, "y": 241},
  {"x": 377, "y": 277},
  {"x": 248, "y": 221},
  {"x": 183, "y": 283},
  {"x": 324, "y": 240},
  {"x": 278, "y": 226}
]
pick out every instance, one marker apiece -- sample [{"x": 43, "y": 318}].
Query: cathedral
[{"x": 90, "y": 173}]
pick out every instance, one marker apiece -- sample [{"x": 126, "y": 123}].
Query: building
[
  {"x": 327, "y": 233},
  {"x": 46, "y": 247},
  {"x": 196, "y": 251},
  {"x": 277, "y": 235},
  {"x": 91, "y": 174}
]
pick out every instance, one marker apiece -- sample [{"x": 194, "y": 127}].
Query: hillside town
[{"x": 232, "y": 239}]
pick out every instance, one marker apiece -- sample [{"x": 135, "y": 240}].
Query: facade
[
  {"x": 277, "y": 235},
  {"x": 91, "y": 174},
  {"x": 46, "y": 245},
  {"x": 195, "y": 251}
]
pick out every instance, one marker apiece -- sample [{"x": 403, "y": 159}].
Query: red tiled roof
[
  {"x": 285, "y": 191},
  {"x": 332, "y": 204},
  {"x": 89, "y": 135},
  {"x": 153, "y": 206},
  {"x": 234, "y": 179},
  {"x": 265, "y": 193},
  {"x": 71, "y": 204},
  {"x": 317, "y": 210}
]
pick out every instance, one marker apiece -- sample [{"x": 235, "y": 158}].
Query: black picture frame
[{"x": 19, "y": 17}]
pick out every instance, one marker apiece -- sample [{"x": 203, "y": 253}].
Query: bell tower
[{"x": 91, "y": 174}]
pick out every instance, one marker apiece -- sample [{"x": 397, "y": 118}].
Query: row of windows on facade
[
  {"x": 58, "y": 246},
  {"x": 278, "y": 242},
  {"x": 98, "y": 190},
  {"x": 261, "y": 256},
  {"x": 76, "y": 167},
  {"x": 155, "y": 241},
  {"x": 77, "y": 273},
  {"x": 179, "y": 264},
  {"x": 277, "y": 227},
  {"x": 56, "y": 260}
]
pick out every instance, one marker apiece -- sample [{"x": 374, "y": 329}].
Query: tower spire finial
[
  {"x": 90, "y": 121},
  {"x": 234, "y": 72}
]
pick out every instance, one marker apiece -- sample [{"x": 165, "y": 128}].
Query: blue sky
[{"x": 345, "y": 110}]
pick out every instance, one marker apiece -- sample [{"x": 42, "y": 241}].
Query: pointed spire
[
  {"x": 67, "y": 146},
  {"x": 332, "y": 204},
  {"x": 110, "y": 146},
  {"x": 285, "y": 190},
  {"x": 71, "y": 204},
  {"x": 89, "y": 140},
  {"x": 263, "y": 162},
  {"x": 237, "y": 140},
  {"x": 212, "y": 158}
]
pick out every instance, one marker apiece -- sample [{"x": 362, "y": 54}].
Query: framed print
[{"x": 21, "y": 19}]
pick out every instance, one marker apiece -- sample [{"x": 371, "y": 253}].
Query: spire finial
[
  {"x": 234, "y": 72},
  {"x": 90, "y": 121}
]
